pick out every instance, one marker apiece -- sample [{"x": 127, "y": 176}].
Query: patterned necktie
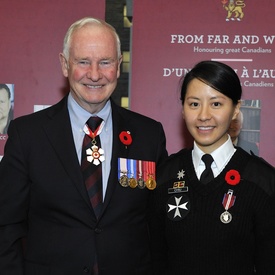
[
  {"x": 207, "y": 174},
  {"x": 92, "y": 174}
]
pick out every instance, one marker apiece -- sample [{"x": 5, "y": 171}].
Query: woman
[{"x": 224, "y": 222}]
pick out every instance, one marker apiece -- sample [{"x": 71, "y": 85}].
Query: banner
[
  {"x": 169, "y": 38},
  {"x": 32, "y": 34}
]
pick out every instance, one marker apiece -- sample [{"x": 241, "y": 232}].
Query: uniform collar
[{"x": 221, "y": 155}]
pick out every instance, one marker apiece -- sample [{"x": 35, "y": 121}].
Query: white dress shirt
[
  {"x": 79, "y": 117},
  {"x": 221, "y": 157}
]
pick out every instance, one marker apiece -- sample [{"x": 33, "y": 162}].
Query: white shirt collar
[
  {"x": 79, "y": 116},
  {"x": 221, "y": 156}
]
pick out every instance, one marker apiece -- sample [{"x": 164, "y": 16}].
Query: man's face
[
  {"x": 4, "y": 104},
  {"x": 235, "y": 127},
  {"x": 93, "y": 67}
]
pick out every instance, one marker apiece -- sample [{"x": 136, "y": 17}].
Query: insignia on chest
[
  {"x": 178, "y": 187},
  {"x": 178, "y": 206},
  {"x": 137, "y": 173}
]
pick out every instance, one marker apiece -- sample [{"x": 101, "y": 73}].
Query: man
[
  {"x": 42, "y": 192},
  {"x": 234, "y": 132},
  {"x": 5, "y": 108}
]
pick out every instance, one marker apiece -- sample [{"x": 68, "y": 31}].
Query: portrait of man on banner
[{"x": 6, "y": 106}]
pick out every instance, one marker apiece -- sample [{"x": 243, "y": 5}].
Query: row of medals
[{"x": 150, "y": 183}]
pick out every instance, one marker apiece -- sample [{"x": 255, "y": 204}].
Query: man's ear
[
  {"x": 118, "y": 66},
  {"x": 64, "y": 64},
  {"x": 237, "y": 110}
]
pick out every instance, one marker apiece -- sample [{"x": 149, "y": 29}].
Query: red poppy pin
[
  {"x": 125, "y": 137},
  {"x": 232, "y": 177}
]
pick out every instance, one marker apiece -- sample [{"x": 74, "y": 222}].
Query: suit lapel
[
  {"x": 58, "y": 130},
  {"x": 120, "y": 123}
]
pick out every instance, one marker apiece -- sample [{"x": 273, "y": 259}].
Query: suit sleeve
[
  {"x": 157, "y": 232},
  {"x": 14, "y": 192},
  {"x": 162, "y": 152}
]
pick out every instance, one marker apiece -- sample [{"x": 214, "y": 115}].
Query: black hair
[
  {"x": 5, "y": 87},
  {"x": 217, "y": 75}
]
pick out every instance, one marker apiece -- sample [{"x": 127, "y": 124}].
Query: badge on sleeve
[{"x": 178, "y": 206}]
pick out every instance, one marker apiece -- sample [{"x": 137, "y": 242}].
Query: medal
[
  {"x": 122, "y": 172},
  {"x": 151, "y": 183},
  {"x": 127, "y": 172},
  {"x": 149, "y": 170},
  {"x": 132, "y": 168},
  {"x": 133, "y": 183},
  {"x": 124, "y": 182},
  {"x": 225, "y": 217},
  {"x": 227, "y": 202},
  {"x": 141, "y": 183},
  {"x": 94, "y": 154},
  {"x": 131, "y": 173}
]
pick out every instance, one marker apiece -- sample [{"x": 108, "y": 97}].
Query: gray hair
[{"x": 83, "y": 22}]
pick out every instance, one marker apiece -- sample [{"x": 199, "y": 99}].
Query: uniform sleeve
[{"x": 265, "y": 238}]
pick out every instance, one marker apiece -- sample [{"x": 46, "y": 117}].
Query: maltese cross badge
[{"x": 177, "y": 207}]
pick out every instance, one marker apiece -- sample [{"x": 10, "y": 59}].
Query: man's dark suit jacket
[
  {"x": 248, "y": 146},
  {"x": 43, "y": 198}
]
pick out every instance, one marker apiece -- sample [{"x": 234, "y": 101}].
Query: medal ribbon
[
  {"x": 144, "y": 170},
  {"x": 131, "y": 166},
  {"x": 149, "y": 169},
  {"x": 97, "y": 131},
  {"x": 228, "y": 200},
  {"x": 122, "y": 167},
  {"x": 139, "y": 168}
]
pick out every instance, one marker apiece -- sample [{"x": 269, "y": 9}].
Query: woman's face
[{"x": 208, "y": 114}]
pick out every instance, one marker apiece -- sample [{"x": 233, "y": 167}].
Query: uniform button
[
  {"x": 86, "y": 269},
  {"x": 98, "y": 230}
]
